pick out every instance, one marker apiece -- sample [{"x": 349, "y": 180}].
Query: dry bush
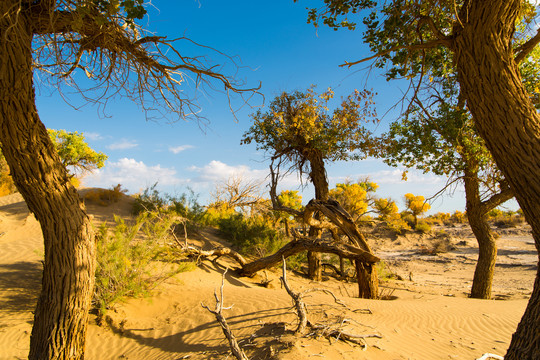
[{"x": 105, "y": 197}]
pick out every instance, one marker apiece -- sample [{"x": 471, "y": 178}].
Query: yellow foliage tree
[{"x": 417, "y": 205}]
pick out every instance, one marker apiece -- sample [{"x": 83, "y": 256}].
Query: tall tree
[
  {"x": 62, "y": 39},
  {"x": 486, "y": 51},
  {"x": 439, "y": 137},
  {"x": 297, "y": 130}
]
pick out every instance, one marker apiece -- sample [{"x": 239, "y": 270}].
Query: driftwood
[{"x": 218, "y": 313}]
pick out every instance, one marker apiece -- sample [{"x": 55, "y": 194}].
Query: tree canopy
[
  {"x": 298, "y": 126},
  {"x": 75, "y": 152}
]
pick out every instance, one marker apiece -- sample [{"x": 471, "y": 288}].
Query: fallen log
[{"x": 303, "y": 243}]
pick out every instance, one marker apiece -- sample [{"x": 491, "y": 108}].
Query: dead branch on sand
[
  {"x": 317, "y": 330},
  {"x": 233, "y": 344}
]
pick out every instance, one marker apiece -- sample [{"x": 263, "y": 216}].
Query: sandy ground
[{"x": 428, "y": 317}]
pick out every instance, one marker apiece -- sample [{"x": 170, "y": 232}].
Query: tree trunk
[
  {"x": 507, "y": 121},
  {"x": 487, "y": 248},
  {"x": 318, "y": 178},
  {"x": 68, "y": 273},
  {"x": 368, "y": 282}
]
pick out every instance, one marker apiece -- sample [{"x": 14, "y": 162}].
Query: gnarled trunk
[
  {"x": 68, "y": 274},
  {"x": 318, "y": 178},
  {"x": 508, "y": 122},
  {"x": 487, "y": 248}
]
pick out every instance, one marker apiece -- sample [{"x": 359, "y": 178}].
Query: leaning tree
[
  {"x": 298, "y": 132},
  {"x": 486, "y": 48},
  {"x": 65, "y": 41}
]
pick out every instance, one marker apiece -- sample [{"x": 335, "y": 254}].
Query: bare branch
[
  {"x": 126, "y": 60},
  {"x": 297, "y": 298},
  {"x": 218, "y": 313},
  {"x": 428, "y": 45}
]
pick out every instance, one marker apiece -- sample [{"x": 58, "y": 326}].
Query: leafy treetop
[
  {"x": 298, "y": 125},
  {"x": 75, "y": 152}
]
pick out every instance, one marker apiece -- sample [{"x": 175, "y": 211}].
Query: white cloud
[
  {"x": 133, "y": 175},
  {"x": 218, "y": 171},
  {"x": 123, "y": 144},
  {"x": 178, "y": 149},
  {"x": 93, "y": 136}
]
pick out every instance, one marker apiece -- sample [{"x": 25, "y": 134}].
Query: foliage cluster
[
  {"x": 252, "y": 235},
  {"x": 298, "y": 127},
  {"x": 127, "y": 257},
  {"x": 7, "y": 186},
  {"x": 185, "y": 205},
  {"x": 74, "y": 152},
  {"x": 355, "y": 197}
]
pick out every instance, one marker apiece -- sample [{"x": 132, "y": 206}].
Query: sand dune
[{"x": 422, "y": 322}]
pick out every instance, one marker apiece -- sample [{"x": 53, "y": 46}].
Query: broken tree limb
[
  {"x": 299, "y": 304},
  {"x": 218, "y": 313},
  {"x": 303, "y": 243},
  {"x": 218, "y": 252}
]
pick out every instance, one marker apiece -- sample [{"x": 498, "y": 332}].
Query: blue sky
[{"x": 274, "y": 45}]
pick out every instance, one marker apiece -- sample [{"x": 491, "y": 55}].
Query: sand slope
[{"x": 422, "y": 322}]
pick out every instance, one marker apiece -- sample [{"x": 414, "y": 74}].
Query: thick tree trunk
[
  {"x": 68, "y": 275},
  {"x": 508, "y": 122},
  {"x": 487, "y": 248},
  {"x": 318, "y": 178}
]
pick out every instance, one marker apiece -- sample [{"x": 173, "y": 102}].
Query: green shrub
[
  {"x": 422, "y": 227},
  {"x": 126, "y": 260},
  {"x": 149, "y": 200},
  {"x": 251, "y": 235},
  {"x": 185, "y": 206}
]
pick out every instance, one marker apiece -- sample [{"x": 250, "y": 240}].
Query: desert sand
[{"x": 427, "y": 314}]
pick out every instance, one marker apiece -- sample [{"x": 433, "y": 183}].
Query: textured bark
[
  {"x": 368, "y": 283},
  {"x": 508, "y": 122},
  {"x": 318, "y": 178},
  {"x": 68, "y": 273},
  {"x": 487, "y": 247},
  {"x": 302, "y": 243}
]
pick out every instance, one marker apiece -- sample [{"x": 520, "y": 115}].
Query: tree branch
[
  {"x": 526, "y": 48},
  {"x": 428, "y": 45},
  {"x": 497, "y": 199}
]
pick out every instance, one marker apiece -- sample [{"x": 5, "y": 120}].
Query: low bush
[
  {"x": 252, "y": 235},
  {"x": 126, "y": 261},
  {"x": 105, "y": 197},
  {"x": 422, "y": 227},
  {"x": 185, "y": 206}
]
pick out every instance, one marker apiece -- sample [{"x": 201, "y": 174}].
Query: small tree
[
  {"x": 75, "y": 153},
  {"x": 290, "y": 199},
  {"x": 355, "y": 197},
  {"x": 417, "y": 205}
]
